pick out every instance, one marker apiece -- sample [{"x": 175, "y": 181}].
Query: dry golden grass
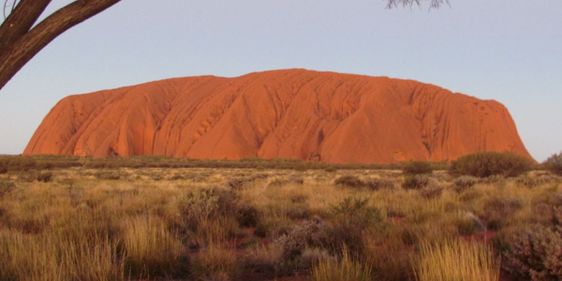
[
  {"x": 150, "y": 248},
  {"x": 55, "y": 257},
  {"x": 456, "y": 260},
  {"x": 343, "y": 269},
  {"x": 146, "y": 223}
]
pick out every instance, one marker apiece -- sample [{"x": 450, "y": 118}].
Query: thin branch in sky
[{"x": 406, "y": 3}]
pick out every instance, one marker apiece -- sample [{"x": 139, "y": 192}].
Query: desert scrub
[
  {"x": 5, "y": 187},
  {"x": 286, "y": 181},
  {"x": 432, "y": 191},
  {"x": 201, "y": 206},
  {"x": 554, "y": 164},
  {"x": 344, "y": 269},
  {"x": 496, "y": 211},
  {"x": 535, "y": 254},
  {"x": 463, "y": 183},
  {"x": 352, "y": 218},
  {"x": 417, "y": 168},
  {"x": 263, "y": 261},
  {"x": 311, "y": 233},
  {"x": 45, "y": 177},
  {"x": 349, "y": 181},
  {"x": 108, "y": 175},
  {"x": 376, "y": 184},
  {"x": 455, "y": 260},
  {"x": 151, "y": 249},
  {"x": 215, "y": 263},
  {"x": 488, "y": 164},
  {"x": 416, "y": 182},
  {"x": 248, "y": 216}
]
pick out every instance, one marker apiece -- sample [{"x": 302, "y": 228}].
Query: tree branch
[
  {"x": 20, "y": 20},
  {"x": 17, "y": 55},
  {"x": 405, "y": 3}
]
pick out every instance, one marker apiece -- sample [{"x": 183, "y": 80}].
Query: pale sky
[{"x": 507, "y": 50}]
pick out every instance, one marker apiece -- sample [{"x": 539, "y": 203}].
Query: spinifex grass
[{"x": 456, "y": 260}]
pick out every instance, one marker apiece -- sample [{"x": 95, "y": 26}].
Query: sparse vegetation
[
  {"x": 118, "y": 223},
  {"x": 535, "y": 254},
  {"x": 416, "y": 182},
  {"x": 554, "y": 164},
  {"x": 417, "y": 168},
  {"x": 488, "y": 164}
]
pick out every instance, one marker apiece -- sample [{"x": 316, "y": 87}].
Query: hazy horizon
[{"x": 507, "y": 51}]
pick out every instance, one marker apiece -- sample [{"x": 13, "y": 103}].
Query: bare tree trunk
[{"x": 20, "y": 41}]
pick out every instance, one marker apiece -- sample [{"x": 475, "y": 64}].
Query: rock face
[{"x": 300, "y": 114}]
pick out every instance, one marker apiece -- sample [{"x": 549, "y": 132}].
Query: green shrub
[
  {"x": 416, "y": 182},
  {"x": 417, "y": 168},
  {"x": 488, "y": 164},
  {"x": 535, "y": 254},
  {"x": 554, "y": 164}
]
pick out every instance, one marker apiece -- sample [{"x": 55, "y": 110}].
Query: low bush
[
  {"x": 310, "y": 233},
  {"x": 431, "y": 191},
  {"x": 247, "y": 216},
  {"x": 376, "y": 184},
  {"x": 349, "y": 181},
  {"x": 286, "y": 181},
  {"x": 496, "y": 211},
  {"x": 6, "y": 187},
  {"x": 108, "y": 175},
  {"x": 201, "y": 206},
  {"x": 554, "y": 164},
  {"x": 45, "y": 176},
  {"x": 417, "y": 168},
  {"x": 535, "y": 254},
  {"x": 456, "y": 260},
  {"x": 488, "y": 164},
  {"x": 534, "y": 181},
  {"x": 352, "y": 217},
  {"x": 3, "y": 169},
  {"x": 416, "y": 182},
  {"x": 464, "y": 182}
]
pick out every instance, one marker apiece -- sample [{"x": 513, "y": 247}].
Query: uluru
[{"x": 290, "y": 114}]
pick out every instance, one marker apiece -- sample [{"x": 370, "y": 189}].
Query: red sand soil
[{"x": 297, "y": 114}]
